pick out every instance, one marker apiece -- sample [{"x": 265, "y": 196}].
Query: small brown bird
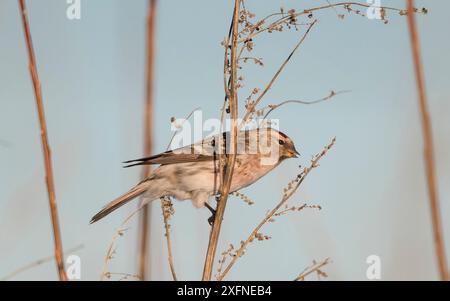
[{"x": 192, "y": 172}]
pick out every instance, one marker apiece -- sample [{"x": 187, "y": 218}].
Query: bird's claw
[
  {"x": 211, "y": 219},
  {"x": 213, "y": 214}
]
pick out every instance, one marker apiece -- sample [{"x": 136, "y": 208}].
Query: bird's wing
[{"x": 205, "y": 150}]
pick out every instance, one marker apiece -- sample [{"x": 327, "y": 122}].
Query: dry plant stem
[
  {"x": 120, "y": 232},
  {"x": 168, "y": 242},
  {"x": 226, "y": 79},
  {"x": 269, "y": 216},
  {"x": 145, "y": 215},
  {"x": 144, "y": 238},
  {"x": 111, "y": 248},
  {"x": 37, "y": 263},
  {"x": 328, "y": 97},
  {"x": 181, "y": 125},
  {"x": 166, "y": 218},
  {"x": 231, "y": 158},
  {"x": 124, "y": 276},
  {"x": 252, "y": 107},
  {"x": 428, "y": 146},
  {"x": 45, "y": 144},
  {"x": 285, "y": 16},
  {"x": 312, "y": 269}
]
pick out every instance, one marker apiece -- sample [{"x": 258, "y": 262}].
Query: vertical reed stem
[
  {"x": 230, "y": 158},
  {"x": 428, "y": 146},
  {"x": 45, "y": 144},
  {"x": 145, "y": 215}
]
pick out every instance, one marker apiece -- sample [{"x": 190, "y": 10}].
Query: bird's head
[
  {"x": 274, "y": 146},
  {"x": 285, "y": 145}
]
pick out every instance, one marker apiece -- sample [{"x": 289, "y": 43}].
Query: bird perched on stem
[{"x": 193, "y": 172}]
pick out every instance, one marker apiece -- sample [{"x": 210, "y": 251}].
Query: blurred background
[{"x": 371, "y": 186}]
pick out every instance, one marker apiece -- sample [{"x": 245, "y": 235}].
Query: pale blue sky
[{"x": 371, "y": 185}]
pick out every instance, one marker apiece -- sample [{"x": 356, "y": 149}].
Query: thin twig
[
  {"x": 286, "y": 17},
  {"x": 145, "y": 215},
  {"x": 165, "y": 204},
  {"x": 59, "y": 257},
  {"x": 252, "y": 106},
  {"x": 428, "y": 146},
  {"x": 231, "y": 158},
  {"x": 118, "y": 233},
  {"x": 303, "y": 102},
  {"x": 223, "y": 258},
  {"x": 181, "y": 126},
  {"x": 314, "y": 268},
  {"x": 124, "y": 276},
  {"x": 226, "y": 79},
  {"x": 287, "y": 195},
  {"x": 37, "y": 263}
]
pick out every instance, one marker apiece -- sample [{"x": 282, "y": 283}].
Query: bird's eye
[{"x": 281, "y": 142}]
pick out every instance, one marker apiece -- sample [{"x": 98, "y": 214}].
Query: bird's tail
[{"x": 120, "y": 201}]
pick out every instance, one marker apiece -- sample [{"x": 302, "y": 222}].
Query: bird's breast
[{"x": 205, "y": 175}]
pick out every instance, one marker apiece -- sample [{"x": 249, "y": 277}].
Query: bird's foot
[
  {"x": 211, "y": 219},
  {"x": 213, "y": 214}
]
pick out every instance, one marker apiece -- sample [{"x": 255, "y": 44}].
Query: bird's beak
[{"x": 293, "y": 153}]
